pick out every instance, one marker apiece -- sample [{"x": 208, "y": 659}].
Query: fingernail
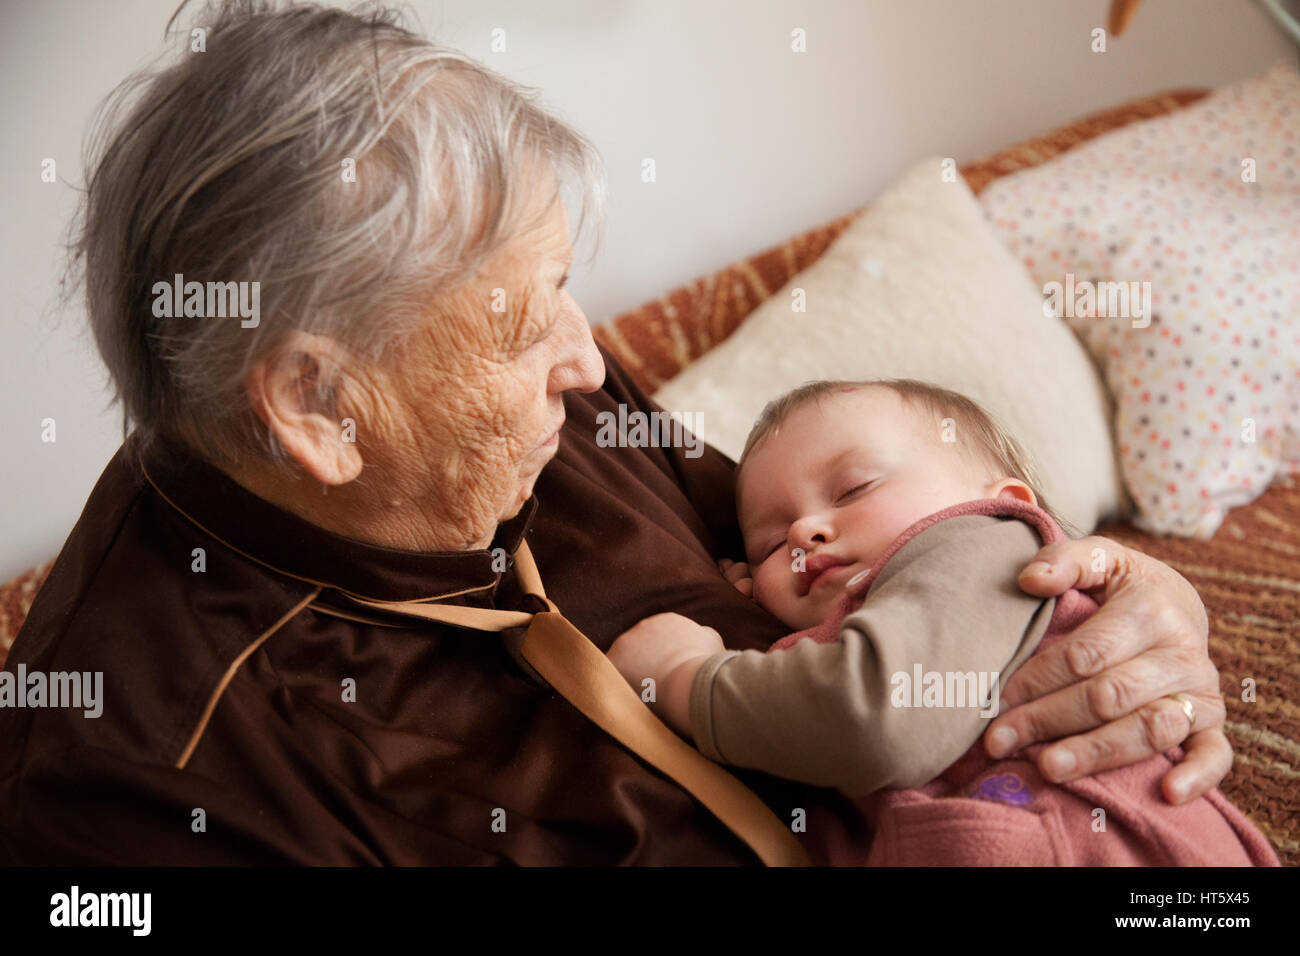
[
  {"x": 1038, "y": 567},
  {"x": 1003, "y": 741},
  {"x": 1060, "y": 763}
]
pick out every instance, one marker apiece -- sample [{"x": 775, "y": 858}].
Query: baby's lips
[{"x": 814, "y": 567}]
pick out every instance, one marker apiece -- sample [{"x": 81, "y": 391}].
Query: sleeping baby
[{"x": 886, "y": 522}]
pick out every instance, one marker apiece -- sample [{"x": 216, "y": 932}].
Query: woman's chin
[
  {"x": 538, "y": 459},
  {"x": 527, "y": 479},
  {"x": 517, "y": 502}
]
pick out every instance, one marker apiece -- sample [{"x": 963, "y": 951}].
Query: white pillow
[{"x": 919, "y": 287}]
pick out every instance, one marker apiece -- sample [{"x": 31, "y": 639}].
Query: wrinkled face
[
  {"x": 472, "y": 410},
  {"x": 840, "y": 479}
]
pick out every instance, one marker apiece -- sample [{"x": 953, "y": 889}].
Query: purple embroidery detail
[{"x": 1008, "y": 789}]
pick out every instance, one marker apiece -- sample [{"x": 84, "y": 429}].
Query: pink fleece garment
[{"x": 986, "y": 812}]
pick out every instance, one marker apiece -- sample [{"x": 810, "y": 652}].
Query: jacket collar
[{"x": 289, "y": 545}]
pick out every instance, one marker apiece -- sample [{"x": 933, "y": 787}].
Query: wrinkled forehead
[
  {"x": 507, "y": 294},
  {"x": 541, "y": 239}
]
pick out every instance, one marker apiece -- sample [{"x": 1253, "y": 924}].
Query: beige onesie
[{"x": 833, "y": 715}]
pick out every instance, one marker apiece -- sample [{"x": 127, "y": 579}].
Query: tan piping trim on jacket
[
  {"x": 297, "y": 577},
  {"x": 230, "y": 673},
  {"x": 350, "y": 617}
]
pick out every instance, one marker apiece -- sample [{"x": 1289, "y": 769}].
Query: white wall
[{"x": 752, "y": 144}]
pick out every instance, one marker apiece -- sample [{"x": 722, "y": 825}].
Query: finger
[
  {"x": 1208, "y": 760},
  {"x": 746, "y": 586},
  {"x": 724, "y": 563},
  {"x": 1118, "y": 631},
  {"x": 1047, "y": 671},
  {"x": 1109, "y": 696},
  {"x": 1085, "y": 563},
  {"x": 734, "y": 572},
  {"x": 1151, "y": 729}
]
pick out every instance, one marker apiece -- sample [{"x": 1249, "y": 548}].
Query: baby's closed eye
[{"x": 854, "y": 491}]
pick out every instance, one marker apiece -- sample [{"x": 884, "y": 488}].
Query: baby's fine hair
[{"x": 985, "y": 440}]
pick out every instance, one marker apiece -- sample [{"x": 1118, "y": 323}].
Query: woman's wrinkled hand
[{"x": 1104, "y": 688}]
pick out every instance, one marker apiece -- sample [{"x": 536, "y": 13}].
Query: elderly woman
[{"x": 266, "y": 571}]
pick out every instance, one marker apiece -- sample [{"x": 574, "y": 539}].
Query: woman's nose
[{"x": 580, "y": 365}]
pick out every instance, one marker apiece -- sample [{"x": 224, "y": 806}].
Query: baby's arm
[
  {"x": 947, "y": 602},
  {"x": 667, "y": 649}
]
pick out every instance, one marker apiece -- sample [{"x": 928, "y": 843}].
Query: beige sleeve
[{"x": 843, "y": 714}]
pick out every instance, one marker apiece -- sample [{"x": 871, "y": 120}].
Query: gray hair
[{"x": 227, "y": 166}]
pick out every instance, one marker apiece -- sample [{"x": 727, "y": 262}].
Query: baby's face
[{"x": 841, "y": 479}]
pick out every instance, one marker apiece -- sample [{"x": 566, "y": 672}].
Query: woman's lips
[
  {"x": 553, "y": 438},
  {"x": 819, "y": 569}
]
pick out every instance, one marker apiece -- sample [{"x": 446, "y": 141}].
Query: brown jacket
[{"x": 224, "y": 690}]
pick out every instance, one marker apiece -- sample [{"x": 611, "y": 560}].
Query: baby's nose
[{"x": 807, "y": 533}]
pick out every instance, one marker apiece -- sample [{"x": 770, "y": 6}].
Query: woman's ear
[
  {"x": 1011, "y": 488},
  {"x": 285, "y": 390}
]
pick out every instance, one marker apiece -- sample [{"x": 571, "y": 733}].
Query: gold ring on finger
[{"x": 1188, "y": 708}]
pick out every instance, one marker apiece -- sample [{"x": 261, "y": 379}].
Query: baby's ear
[{"x": 1011, "y": 488}]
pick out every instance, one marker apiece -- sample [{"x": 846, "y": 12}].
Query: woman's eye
[{"x": 538, "y": 339}]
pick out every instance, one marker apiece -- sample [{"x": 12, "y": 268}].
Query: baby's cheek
[{"x": 764, "y": 585}]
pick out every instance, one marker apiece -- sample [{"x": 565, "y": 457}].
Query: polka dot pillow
[{"x": 1172, "y": 249}]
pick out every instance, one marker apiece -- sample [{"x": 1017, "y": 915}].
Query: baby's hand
[
  {"x": 669, "y": 649},
  {"x": 738, "y": 573}
]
